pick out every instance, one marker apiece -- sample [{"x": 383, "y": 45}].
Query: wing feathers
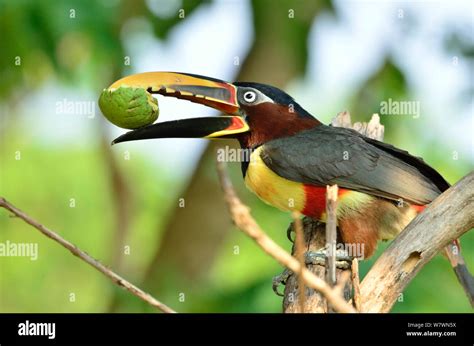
[{"x": 331, "y": 155}]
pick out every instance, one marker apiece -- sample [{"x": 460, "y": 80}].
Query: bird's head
[{"x": 254, "y": 113}]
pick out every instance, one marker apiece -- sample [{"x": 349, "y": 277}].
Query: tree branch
[
  {"x": 299, "y": 254},
  {"x": 447, "y": 218},
  {"x": 244, "y": 221},
  {"x": 331, "y": 233},
  {"x": 115, "y": 278},
  {"x": 356, "y": 284}
]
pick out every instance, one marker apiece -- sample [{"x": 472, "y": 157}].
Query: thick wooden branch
[
  {"x": 299, "y": 254},
  {"x": 115, "y": 278},
  {"x": 315, "y": 302},
  {"x": 447, "y": 218}
]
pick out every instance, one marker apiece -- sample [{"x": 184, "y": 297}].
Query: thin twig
[
  {"x": 356, "y": 283},
  {"x": 455, "y": 257},
  {"x": 299, "y": 254},
  {"x": 331, "y": 234},
  {"x": 117, "y": 279},
  {"x": 244, "y": 221}
]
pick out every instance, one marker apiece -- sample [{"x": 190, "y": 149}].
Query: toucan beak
[{"x": 207, "y": 91}]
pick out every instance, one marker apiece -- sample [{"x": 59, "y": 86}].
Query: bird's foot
[
  {"x": 343, "y": 261},
  {"x": 280, "y": 280}
]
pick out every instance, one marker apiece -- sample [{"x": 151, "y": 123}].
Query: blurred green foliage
[{"x": 89, "y": 53}]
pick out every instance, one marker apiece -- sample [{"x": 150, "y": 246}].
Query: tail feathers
[{"x": 453, "y": 252}]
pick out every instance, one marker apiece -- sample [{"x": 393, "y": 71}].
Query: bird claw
[
  {"x": 289, "y": 231},
  {"x": 343, "y": 261},
  {"x": 280, "y": 280}
]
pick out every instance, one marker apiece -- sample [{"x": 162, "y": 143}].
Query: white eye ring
[{"x": 250, "y": 96}]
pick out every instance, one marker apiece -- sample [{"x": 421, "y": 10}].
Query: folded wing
[{"x": 333, "y": 155}]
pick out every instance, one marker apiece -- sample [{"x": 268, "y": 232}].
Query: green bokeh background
[{"x": 87, "y": 54}]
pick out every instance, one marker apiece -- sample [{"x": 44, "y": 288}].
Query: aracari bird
[{"x": 294, "y": 156}]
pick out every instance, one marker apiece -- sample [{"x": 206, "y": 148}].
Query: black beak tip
[
  {"x": 133, "y": 135},
  {"x": 119, "y": 139}
]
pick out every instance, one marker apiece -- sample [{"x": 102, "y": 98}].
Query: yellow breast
[{"x": 271, "y": 188}]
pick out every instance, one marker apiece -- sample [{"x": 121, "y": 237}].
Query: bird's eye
[{"x": 250, "y": 96}]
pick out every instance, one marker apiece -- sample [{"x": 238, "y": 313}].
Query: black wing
[{"x": 334, "y": 155}]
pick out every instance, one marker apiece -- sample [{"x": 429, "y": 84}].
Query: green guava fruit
[{"x": 129, "y": 107}]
